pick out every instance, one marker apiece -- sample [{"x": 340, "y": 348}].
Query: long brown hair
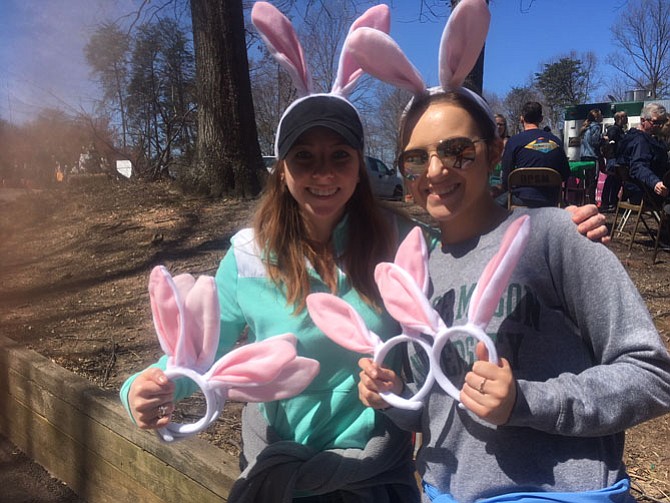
[{"x": 281, "y": 233}]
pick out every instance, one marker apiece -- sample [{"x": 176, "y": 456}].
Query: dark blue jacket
[
  {"x": 534, "y": 148},
  {"x": 646, "y": 157}
]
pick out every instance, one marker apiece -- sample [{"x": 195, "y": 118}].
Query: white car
[{"x": 386, "y": 182}]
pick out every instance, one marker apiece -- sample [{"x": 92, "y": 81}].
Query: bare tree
[
  {"x": 161, "y": 100},
  {"x": 107, "y": 54},
  {"x": 617, "y": 87},
  {"x": 643, "y": 35},
  {"x": 322, "y": 32},
  {"x": 383, "y": 125},
  {"x": 593, "y": 75},
  {"x": 272, "y": 91}
]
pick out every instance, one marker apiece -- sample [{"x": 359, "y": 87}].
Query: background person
[
  {"x": 611, "y": 142},
  {"x": 591, "y": 134},
  {"x": 533, "y": 147},
  {"x": 501, "y": 128},
  {"x": 646, "y": 155}
]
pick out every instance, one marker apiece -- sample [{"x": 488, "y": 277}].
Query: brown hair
[
  {"x": 504, "y": 121},
  {"x": 621, "y": 117},
  {"x": 281, "y": 233},
  {"x": 593, "y": 115}
]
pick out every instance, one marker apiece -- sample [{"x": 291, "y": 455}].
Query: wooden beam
[{"x": 83, "y": 436}]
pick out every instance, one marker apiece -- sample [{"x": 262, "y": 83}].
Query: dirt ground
[{"x": 75, "y": 265}]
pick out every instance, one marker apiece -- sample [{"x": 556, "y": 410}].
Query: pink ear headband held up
[
  {"x": 186, "y": 318},
  {"x": 403, "y": 286},
  {"x": 461, "y": 43}
]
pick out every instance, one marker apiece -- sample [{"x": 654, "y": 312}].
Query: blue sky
[
  {"x": 523, "y": 35},
  {"x": 42, "y": 62}
]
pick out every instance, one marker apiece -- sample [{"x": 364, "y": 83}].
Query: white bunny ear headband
[
  {"x": 403, "y": 286},
  {"x": 332, "y": 109},
  {"x": 462, "y": 41},
  {"x": 186, "y": 318}
]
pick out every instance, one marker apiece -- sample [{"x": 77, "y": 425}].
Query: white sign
[{"x": 125, "y": 167}]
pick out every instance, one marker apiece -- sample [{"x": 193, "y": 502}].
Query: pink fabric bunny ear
[
  {"x": 404, "y": 299},
  {"x": 380, "y": 56},
  {"x": 496, "y": 275},
  {"x": 404, "y": 285},
  {"x": 281, "y": 40},
  {"x": 186, "y": 317},
  {"x": 462, "y": 41},
  {"x": 341, "y": 323},
  {"x": 201, "y": 324},
  {"x": 251, "y": 384},
  {"x": 252, "y": 364},
  {"x": 349, "y": 71},
  {"x": 166, "y": 308},
  {"x": 412, "y": 256},
  {"x": 291, "y": 381}
]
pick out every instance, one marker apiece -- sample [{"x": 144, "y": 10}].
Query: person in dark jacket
[
  {"x": 533, "y": 147},
  {"x": 612, "y": 140},
  {"x": 646, "y": 155}
]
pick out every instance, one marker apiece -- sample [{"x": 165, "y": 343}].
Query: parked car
[
  {"x": 269, "y": 161},
  {"x": 386, "y": 182}
]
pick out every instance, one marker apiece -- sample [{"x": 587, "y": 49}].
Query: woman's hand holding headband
[{"x": 186, "y": 318}]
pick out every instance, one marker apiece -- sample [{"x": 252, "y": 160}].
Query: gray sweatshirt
[{"x": 587, "y": 358}]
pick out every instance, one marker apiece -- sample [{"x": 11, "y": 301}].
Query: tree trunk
[{"x": 228, "y": 158}]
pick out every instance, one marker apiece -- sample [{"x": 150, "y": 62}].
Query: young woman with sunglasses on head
[{"x": 547, "y": 423}]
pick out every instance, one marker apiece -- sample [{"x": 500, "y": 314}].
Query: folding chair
[
  {"x": 625, "y": 208},
  {"x": 663, "y": 218},
  {"x": 535, "y": 177}
]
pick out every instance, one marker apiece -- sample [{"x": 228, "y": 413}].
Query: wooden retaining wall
[{"x": 82, "y": 435}]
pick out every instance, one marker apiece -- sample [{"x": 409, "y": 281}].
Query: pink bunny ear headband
[
  {"x": 403, "y": 286},
  {"x": 331, "y": 110},
  {"x": 186, "y": 318},
  {"x": 462, "y": 41}
]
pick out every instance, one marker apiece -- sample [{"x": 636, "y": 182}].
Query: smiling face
[
  {"x": 457, "y": 198},
  {"x": 321, "y": 172},
  {"x": 501, "y": 125}
]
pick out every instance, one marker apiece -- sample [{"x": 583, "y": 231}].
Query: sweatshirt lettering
[{"x": 518, "y": 304}]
